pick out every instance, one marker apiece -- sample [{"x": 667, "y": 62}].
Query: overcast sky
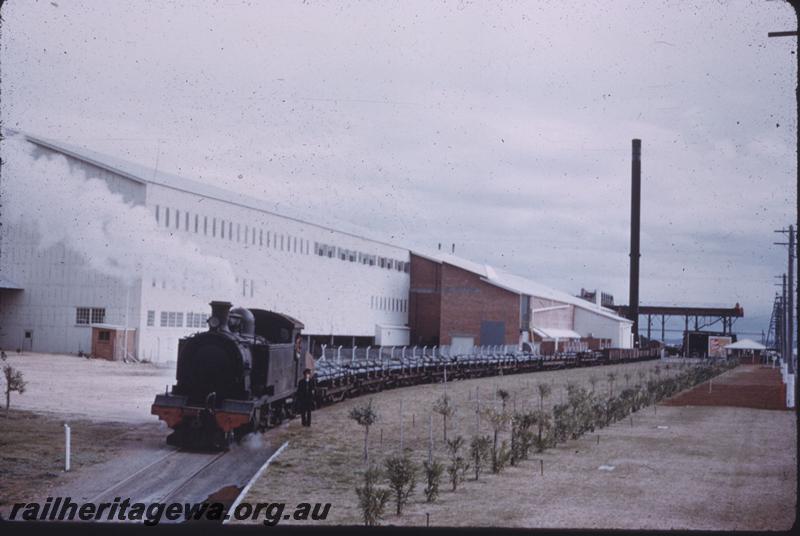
[{"x": 504, "y": 127}]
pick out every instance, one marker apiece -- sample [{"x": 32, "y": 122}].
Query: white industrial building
[
  {"x": 347, "y": 288},
  {"x": 336, "y": 283}
]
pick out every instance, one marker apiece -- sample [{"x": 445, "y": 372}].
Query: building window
[
  {"x": 157, "y": 213},
  {"x": 90, "y": 315},
  {"x": 196, "y": 224},
  {"x": 164, "y": 319},
  {"x": 104, "y": 336},
  {"x": 269, "y": 239},
  {"x": 222, "y": 228},
  {"x": 281, "y": 242},
  {"x": 238, "y": 232},
  {"x": 82, "y": 315},
  {"x": 261, "y": 237},
  {"x": 151, "y": 318},
  {"x": 186, "y": 221},
  {"x": 166, "y": 216},
  {"x": 230, "y": 231},
  {"x": 98, "y": 315},
  {"x": 205, "y": 225},
  {"x": 253, "y": 237},
  {"x": 177, "y": 219}
]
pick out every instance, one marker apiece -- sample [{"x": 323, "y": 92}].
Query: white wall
[
  {"x": 601, "y": 326},
  {"x": 56, "y": 282}
]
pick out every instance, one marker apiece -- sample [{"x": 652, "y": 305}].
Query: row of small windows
[
  {"x": 90, "y": 315},
  {"x": 203, "y": 224},
  {"x": 386, "y": 303},
  {"x": 225, "y": 228},
  {"x": 174, "y": 319},
  {"x": 327, "y": 250}
]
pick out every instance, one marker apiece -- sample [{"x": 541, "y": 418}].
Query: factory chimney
[
  {"x": 636, "y": 198},
  {"x": 453, "y": 248}
]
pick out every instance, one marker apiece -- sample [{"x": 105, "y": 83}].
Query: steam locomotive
[{"x": 237, "y": 377}]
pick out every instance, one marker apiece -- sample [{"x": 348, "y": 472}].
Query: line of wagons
[{"x": 241, "y": 374}]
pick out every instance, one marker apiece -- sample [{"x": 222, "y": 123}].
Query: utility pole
[
  {"x": 791, "y": 312},
  {"x": 788, "y": 299}
]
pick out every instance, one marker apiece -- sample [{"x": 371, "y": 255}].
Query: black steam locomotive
[{"x": 237, "y": 377}]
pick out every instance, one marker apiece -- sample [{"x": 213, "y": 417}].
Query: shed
[
  {"x": 746, "y": 348},
  {"x": 108, "y": 342}
]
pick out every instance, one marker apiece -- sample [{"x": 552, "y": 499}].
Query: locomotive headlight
[{"x": 213, "y": 322}]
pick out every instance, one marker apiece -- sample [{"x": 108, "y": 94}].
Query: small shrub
[
  {"x": 479, "y": 450},
  {"x": 14, "y": 382},
  {"x": 433, "y": 477},
  {"x": 458, "y": 465},
  {"x": 372, "y": 499},
  {"x": 402, "y": 476}
]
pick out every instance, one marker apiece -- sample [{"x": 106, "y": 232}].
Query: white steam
[{"x": 116, "y": 238}]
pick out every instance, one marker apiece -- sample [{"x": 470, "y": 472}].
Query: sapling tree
[
  {"x": 458, "y": 465},
  {"x": 372, "y": 499},
  {"x": 433, "y": 477},
  {"x": 498, "y": 420},
  {"x": 14, "y": 382},
  {"x": 544, "y": 391},
  {"x": 402, "y": 474},
  {"x": 503, "y": 395},
  {"x": 593, "y": 381},
  {"x": 611, "y": 377},
  {"x": 543, "y": 422},
  {"x": 444, "y": 407},
  {"x": 479, "y": 453},
  {"x": 365, "y": 415}
]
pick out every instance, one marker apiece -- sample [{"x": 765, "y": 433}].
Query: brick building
[{"x": 460, "y": 303}]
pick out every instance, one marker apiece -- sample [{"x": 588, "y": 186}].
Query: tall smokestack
[{"x": 636, "y": 199}]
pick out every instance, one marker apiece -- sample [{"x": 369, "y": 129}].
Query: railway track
[{"x": 186, "y": 477}]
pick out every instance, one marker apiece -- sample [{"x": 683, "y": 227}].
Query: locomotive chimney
[
  {"x": 219, "y": 315},
  {"x": 636, "y": 195}
]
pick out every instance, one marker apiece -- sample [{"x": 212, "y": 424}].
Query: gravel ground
[
  {"x": 94, "y": 389},
  {"x": 676, "y": 467}
]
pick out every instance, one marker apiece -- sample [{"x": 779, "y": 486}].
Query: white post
[
  {"x": 367, "y": 356},
  {"x": 401, "y": 426},
  {"x": 430, "y": 439},
  {"x": 403, "y": 355},
  {"x": 67, "y": 441},
  {"x": 423, "y": 351},
  {"x": 125, "y": 342},
  {"x": 353, "y": 359},
  {"x": 339, "y": 355},
  {"x": 434, "y": 351}
]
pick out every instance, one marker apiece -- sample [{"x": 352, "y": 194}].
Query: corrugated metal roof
[
  {"x": 745, "y": 344},
  {"x": 518, "y": 284},
  {"x": 149, "y": 175},
  {"x": 556, "y": 333}
]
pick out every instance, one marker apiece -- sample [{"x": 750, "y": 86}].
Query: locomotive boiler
[{"x": 237, "y": 377}]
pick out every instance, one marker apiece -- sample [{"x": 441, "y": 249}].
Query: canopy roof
[{"x": 745, "y": 344}]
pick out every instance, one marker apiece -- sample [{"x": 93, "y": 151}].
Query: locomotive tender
[{"x": 237, "y": 377}]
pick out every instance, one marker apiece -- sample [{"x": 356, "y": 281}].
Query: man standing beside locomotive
[{"x": 306, "y": 394}]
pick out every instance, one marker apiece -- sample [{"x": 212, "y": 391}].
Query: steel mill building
[{"x": 345, "y": 286}]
